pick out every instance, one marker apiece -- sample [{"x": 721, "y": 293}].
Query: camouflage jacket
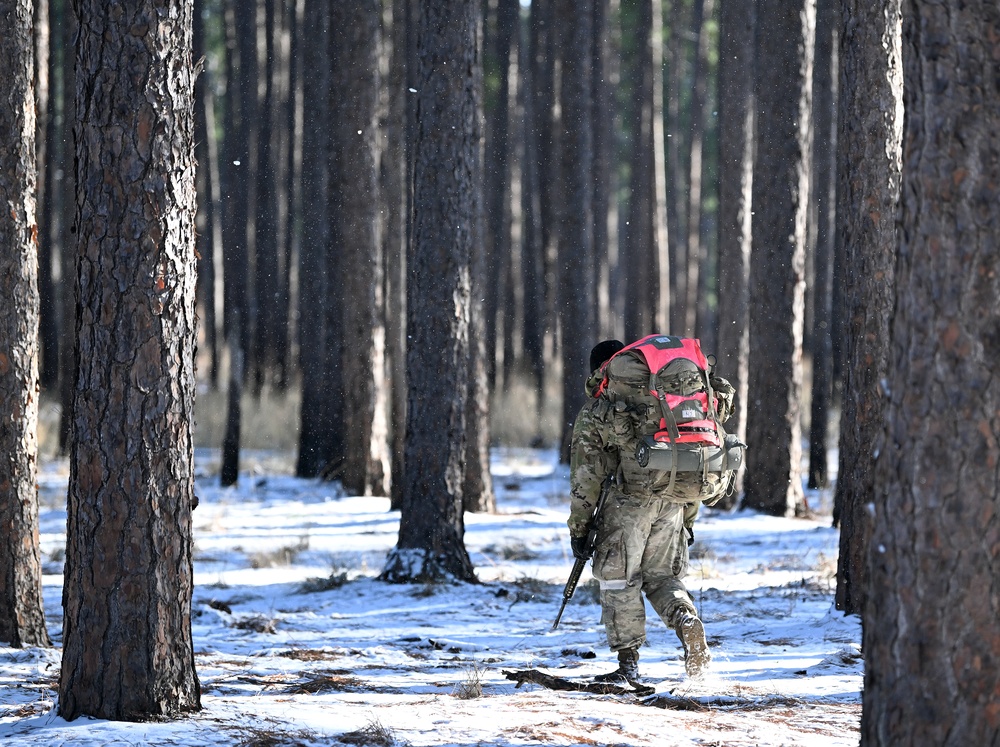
[{"x": 593, "y": 456}]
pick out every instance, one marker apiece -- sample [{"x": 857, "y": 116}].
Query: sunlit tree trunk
[
  {"x": 931, "y": 640},
  {"x": 22, "y": 621},
  {"x": 447, "y": 161},
  {"x": 869, "y": 151},
  {"x": 781, "y": 177},
  {"x": 127, "y": 645}
]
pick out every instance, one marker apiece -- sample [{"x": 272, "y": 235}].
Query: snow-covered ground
[{"x": 298, "y": 643}]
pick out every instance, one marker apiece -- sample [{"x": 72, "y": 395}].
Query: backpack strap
[{"x": 671, "y": 422}]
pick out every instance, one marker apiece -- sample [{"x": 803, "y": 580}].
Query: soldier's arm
[{"x": 590, "y": 463}]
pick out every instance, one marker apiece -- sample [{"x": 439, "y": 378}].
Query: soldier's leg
[
  {"x": 618, "y": 569},
  {"x": 664, "y": 566}
]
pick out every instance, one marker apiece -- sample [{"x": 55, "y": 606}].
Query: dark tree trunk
[
  {"x": 22, "y": 621},
  {"x": 736, "y": 148},
  {"x": 602, "y": 112},
  {"x": 266, "y": 269},
  {"x": 477, "y": 488},
  {"x": 395, "y": 185},
  {"x": 784, "y": 50},
  {"x": 931, "y": 640},
  {"x": 676, "y": 183},
  {"x": 208, "y": 200},
  {"x": 47, "y": 153},
  {"x": 317, "y": 429},
  {"x": 869, "y": 143},
  {"x": 577, "y": 322},
  {"x": 290, "y": 193},
  {"x": 240, "y": 106},
  {"x": 497, "y": 176},
  {"x": 533, "y": 233},
  {"x": 127, "y": 646},
  {"x": 67, "y": 228},
  {"x": 824, "y": 204},
  {"x": 640, "y": 265},
  {"x": 355, "y": 193},
  {"x": 448, "y": 82}
]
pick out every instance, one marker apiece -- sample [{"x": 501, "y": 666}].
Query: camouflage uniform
[{"x": 642, "y": 545}]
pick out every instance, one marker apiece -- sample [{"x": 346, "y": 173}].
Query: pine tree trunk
[
  {"x": 266, "y": 269},
  {"x": 355, "y": 190},
  {"x": 784, "y": 50},
  {"x": 127, "y": 646},
  {"x": 676, "y": 138},
  {"x": 448, "y": 84},
  {"x": 316, "y": 427},
  {"x": 395, "y": 181},
  {"x": 577, "y": 322},
  {"x": 824, "y": 204},
  {"x": 931, "y": 640},
  {"x": 532, "y": 190},
  {"x": 695, "y": 252},
  {"x": 640, "y": 234},
  {"x": 869, "y": 153},
  {"x": 67, "y": 229},
  {"x": 736, "y": 140},
  {"x": 22, "y": 622},
  {"x": 207, "y": 202}
]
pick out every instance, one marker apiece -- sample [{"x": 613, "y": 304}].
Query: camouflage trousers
[{"x": 641, "y": 550}]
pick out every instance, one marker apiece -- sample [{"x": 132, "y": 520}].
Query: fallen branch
[{"x": 551, "y": 682}]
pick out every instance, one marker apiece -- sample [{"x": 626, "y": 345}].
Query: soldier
[{"x": 642, "y": 541}]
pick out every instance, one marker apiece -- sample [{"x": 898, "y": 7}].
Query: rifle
[{"x": 589, "y": 547}]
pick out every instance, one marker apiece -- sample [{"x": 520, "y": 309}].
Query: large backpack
[{"x": 663, "y": 408}]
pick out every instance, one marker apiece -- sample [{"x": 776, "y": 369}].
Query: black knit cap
[{"x": 603, "y": 351}]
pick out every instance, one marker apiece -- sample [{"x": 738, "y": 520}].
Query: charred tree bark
[
  {"x": 869, "y": 153},
  {"x": 446, "y": 206},
  {"x": 22, "y": 621},
  {"x": 784, "y": 50},
  {"x": 932, "y": 646},
  {"x": 736, "y": 149},
  {"x": 127, "y": 651}
]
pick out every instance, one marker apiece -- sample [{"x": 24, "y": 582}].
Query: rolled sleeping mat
[{"x": 653, "y": 454}]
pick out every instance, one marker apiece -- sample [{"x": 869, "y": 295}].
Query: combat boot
[
  {"x": 691, "y": 632},
  {"x": 628, "y": 668}
]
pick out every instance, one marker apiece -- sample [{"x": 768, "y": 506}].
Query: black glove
[
  {"x": 579, "y": 545},
  {"x": 690, "y": 534}
]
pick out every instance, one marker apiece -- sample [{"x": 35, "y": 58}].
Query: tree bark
[
  {"x": 825, "y": 82},
  {"x": 736, "y": 149},
  {"x": 640, "y": 246},
  {"x": 931, "y": 641},
  {"x": 446, "y": 205},
  {"x": 869, "y": 153},
  {"x": 395, "y": 182},
  {"x": 22, "y": 621},
  {"x": 358, "y": 247},
  {"x": 127, "y": 646},
  {"x": 209, "y": 233},
  {"x": 784, "y": 50},
  {"x": 695, "y": 252},
  {"x": 266, "y": 267},
  {"x": 317, "y": 430},
  {"x": 577, "y": 322}
]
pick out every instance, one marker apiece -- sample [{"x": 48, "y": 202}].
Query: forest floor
[{"x": 298, "y": 643}]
